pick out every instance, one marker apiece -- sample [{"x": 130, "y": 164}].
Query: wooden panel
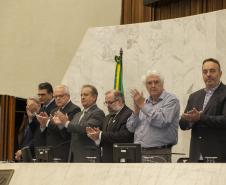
[
  {"x": 137, "y": 13},
  {"x": 147, "y": 14},
  {"x": 11, "y": 128},
  {"x": 210, "y": 5},
  {"x": 127, "y": 12},
  {"x": 157, "y": 15},
  {"x": 174, "y": 9},
  {"x": 224, "y": 3},
  {"x": 196, "y": 7},
  {"x": 134, "y": 10},
  {"x": 7, "y": 127},
  {"x": 2, "y": 128},
  {"x": 165, "y": 12},
  {"x": 219, "y": 4}
]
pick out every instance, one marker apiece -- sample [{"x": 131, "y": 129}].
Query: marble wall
[
  {"x": 115, "y": 174},
  {"x": 175, "y": 47}
]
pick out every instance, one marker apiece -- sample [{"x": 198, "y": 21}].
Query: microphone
[{"x": 26, "y": 154}]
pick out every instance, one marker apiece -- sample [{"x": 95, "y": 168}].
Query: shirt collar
[
  {"x": 116, "y": 113},
  {"x": 87, "y": 109},
  {"x": 46, "y": 105},
  {"x": 212, "y": 89},
  {"x": 161, "y": 97},
  {"x": 65, "y": 105}
]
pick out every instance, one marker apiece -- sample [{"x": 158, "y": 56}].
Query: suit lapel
[
  {"x": 115, "y": 120},
  {"x": 106, "y": 122},
  {"x": 86, "y": 114},
  {"x": 200, "y": 101},
  {"x": 212, "y": 99}
]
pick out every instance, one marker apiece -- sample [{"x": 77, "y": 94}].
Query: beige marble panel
[{"x": 112, "y": 174}]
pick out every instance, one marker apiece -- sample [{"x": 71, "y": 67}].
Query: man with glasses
[
  {"x": 155, "y": 119},
  {"x": 205, "y": 114},
  {"x": 114, "y": 128},
  {"x": 57, "y": 136},
  {"x": 83, "y": 149}
]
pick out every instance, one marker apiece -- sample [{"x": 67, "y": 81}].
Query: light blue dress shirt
[{"x": 157, "y": 124}]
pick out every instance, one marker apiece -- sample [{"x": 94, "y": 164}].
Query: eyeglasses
[
  {"x": 110, "y": 102},
  {"x": 58, "y": 96}
]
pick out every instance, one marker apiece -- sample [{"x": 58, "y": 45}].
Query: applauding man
[
  {"x": 114, "y": 128},
  {"x": 155, "y": 119}
]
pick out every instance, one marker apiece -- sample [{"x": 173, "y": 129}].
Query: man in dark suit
[
  {"x": 45, "y": 94},
  {"x": 83, "y": 148},
  {"x": 205, "y": 114},
  {"x": 114, "y": 128},
  {"x": 56, "y": 135},
  {"x": 26, "y": 131}
]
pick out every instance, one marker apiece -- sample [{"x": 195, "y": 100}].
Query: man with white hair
[
  {"x": 155, "y": 119},
  {"x": 57, "y": 136}
]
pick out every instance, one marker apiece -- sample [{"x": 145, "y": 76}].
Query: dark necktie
[
  {"x": 43, "y": 109},
  {"x": 111, "y": 121}
]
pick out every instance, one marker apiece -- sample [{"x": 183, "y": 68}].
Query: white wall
[{"x": 38, "y": 38}]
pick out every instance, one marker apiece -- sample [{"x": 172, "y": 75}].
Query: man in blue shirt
[{"x": 155, "y": 119}]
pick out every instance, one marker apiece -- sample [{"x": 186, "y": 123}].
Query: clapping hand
[
  {"x": 59, "y": 118},
  {"x": 192, "y": 115},
  {"x": 138, "y": 100},
  {"x": 42, "y": 117},
  {"x": 93, "y": 133}
]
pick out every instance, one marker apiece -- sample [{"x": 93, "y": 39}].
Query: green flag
[{"x": 118, "y": 84}]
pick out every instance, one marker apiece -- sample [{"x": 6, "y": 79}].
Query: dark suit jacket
[
  {"x": 58, "y": 137},
  {"x": 115, "y": 131},
  {"x": 40, "y": 137},
  {"x": 49, "y": 109},
  {"x": 82, "y": 146},
  {"x": 208, "y": 135}
]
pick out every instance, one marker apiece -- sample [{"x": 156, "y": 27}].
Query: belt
[{"x": 158, "y": 147}]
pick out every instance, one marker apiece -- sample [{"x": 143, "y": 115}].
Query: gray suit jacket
[{"x": 82, "y": 146}]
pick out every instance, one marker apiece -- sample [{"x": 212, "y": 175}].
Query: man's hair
[
  {"x": 118, "y": 95},
  {"x": 212, "y": 60},
  {"x": 47, "y": 86},
  {"x": 94, "y": 91},
  {"x": 35, "y": 99},
  {"x": 153, "y": 72},
  {"x": 64, "y": 87}
]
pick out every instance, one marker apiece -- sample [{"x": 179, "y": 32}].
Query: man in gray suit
[
  {"x": 82, "y": 147},
  {"x": 57, "y": 136}
]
